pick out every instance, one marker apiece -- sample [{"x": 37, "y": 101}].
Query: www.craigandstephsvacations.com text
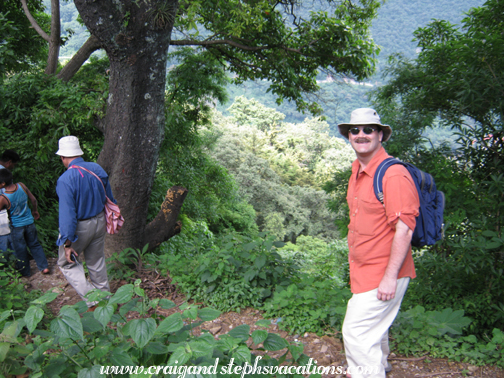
[{"x": 181, "y": 371}]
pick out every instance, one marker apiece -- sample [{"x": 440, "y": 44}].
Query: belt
[{"x": 80, "y": 220}]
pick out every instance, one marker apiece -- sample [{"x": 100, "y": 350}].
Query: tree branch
[
  {"x": 232, "y": 43},
  {"x": 33, "y": 22},
  {"x": 70, "y": 69},
  {"x": 54, "y": 39},
  {"x": 165, "y": 225}
]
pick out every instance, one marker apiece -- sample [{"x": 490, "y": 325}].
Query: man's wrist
[{"x": 67, "y": 245}]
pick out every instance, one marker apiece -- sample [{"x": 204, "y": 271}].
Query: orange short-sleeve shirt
[{"x": 372, "y": 225}]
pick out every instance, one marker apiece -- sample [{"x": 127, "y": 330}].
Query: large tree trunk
[{"x": 134, "y": 122}]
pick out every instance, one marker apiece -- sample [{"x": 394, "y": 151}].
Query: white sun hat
[{"x": 69, "y": 147}]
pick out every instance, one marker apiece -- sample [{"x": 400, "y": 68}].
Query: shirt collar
[
  {"x": 76, "y": 161},
  {"x": 373, "y": 164}
]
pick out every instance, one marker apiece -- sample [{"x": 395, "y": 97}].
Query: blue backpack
[{"x": 429, "y": 223}]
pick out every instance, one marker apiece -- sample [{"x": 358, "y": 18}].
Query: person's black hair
[
  {"x": 5, "y": 176},
  {"x": 10, "y": 155}
]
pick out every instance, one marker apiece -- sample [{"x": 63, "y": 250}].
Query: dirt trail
[{"x": 325, "y": 350}]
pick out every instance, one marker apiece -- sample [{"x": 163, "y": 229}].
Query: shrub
[
  {"x": 309, "y": 305},
  {"x": 231, "y": 272}
]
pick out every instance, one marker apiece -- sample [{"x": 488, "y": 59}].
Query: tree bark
[
  {"x": 70, "y": 69},
  {"x": 134, "y": 122},
  {"x": 54, "y": 39}
]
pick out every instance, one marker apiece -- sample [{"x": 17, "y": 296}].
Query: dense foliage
[
  {"x": 93, "y": 344},
  {"x": 280, "y": 167}
]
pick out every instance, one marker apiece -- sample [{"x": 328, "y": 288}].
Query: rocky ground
[{"x": 325, "y": 350}]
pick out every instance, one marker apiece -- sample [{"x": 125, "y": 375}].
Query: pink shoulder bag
[{"x": 113, "y": 215}]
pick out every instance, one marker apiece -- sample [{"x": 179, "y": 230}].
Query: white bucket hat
[
  {"x": 69, "y": 147},
  {"x": 365, "y": 116}
]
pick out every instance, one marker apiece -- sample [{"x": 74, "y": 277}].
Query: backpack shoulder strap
[
  {"x": 378, "y": 176},
  {"x": 94, "y": 174}
]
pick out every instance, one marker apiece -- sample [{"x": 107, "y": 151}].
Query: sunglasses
[{"x": 367, "y": 130}]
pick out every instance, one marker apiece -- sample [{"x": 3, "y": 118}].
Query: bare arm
[
  {"x": 4, "y": 203},
  {"x": 400, "y": 247},
  {"x": 33, "y": 201}
]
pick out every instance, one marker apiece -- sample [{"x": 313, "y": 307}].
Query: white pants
[
  {"x": 90, "y": 240},
  {"x": 365, "y": 331}
]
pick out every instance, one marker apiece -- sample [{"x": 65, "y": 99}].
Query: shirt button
[{"x": 355, "y": 197}]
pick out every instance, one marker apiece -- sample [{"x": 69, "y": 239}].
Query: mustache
[{"x": 360, "y": 140}]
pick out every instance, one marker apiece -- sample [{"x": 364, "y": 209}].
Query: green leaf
[
  {"x": 55, "y": 367},
  {"x": 119, "y": 357},
  {"x": 240, "y": 332},
  {"x": 274, "y": 342},
  {"x": 242, "y": 354},
  {"x": 46, "y": 298},
  {"x": 172, "y": 323},
  {"x": 259, "y": 335},
  {"x": 101, "y": 349},
  {"x": 191, "y": 313},
  {"x": 206, "y": 314},
  {"x": 103, "y": 314},
  {"x": 279, "y": 244},
  {"x": 227, "y": 343},
  {"x": 32, "y": 317},
  {"x": 249, "y": 246},
  {"x": 303, "y": 360},
  {"x": 179, "y": 357},
  {"x": 250, "y": 275},
  {"x": 96, "y": 295},
  {"x": 93, "y": 372},
  {"x": 139, "y": 291},
  {"x": 68, "y": 325},
  {"x": 449, "y": 321},
  {"x": 4, "y": 349},
  {"x": 142, "y": 330},
  {"x": 200, "y": 348},
  {"x": 122, "y": 295},
  {"x": 260, "y": 261},
  {"x": 263, "y": 323},
  {"x": 166, "y": 304},
  {"x": 296, "y": 351},
  {"x": 155, "y": 347},
  {"x": 129, "y": 306},
  {"x": 489, "y": 233},
  {"x": 4, "y": 315}
]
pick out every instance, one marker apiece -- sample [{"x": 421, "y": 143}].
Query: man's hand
[
  {"x": 68, "y": 254},
  {"x": 387, "y": 288},
  {"x": 36, "y": 215}
]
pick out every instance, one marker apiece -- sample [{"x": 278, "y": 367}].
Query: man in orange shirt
[{"x": 379, "y": 241}]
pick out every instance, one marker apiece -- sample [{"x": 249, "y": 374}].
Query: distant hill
[{"x": 393, "y": 31}]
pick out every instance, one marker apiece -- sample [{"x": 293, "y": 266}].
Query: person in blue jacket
[{"x": 82, "y": 223}]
